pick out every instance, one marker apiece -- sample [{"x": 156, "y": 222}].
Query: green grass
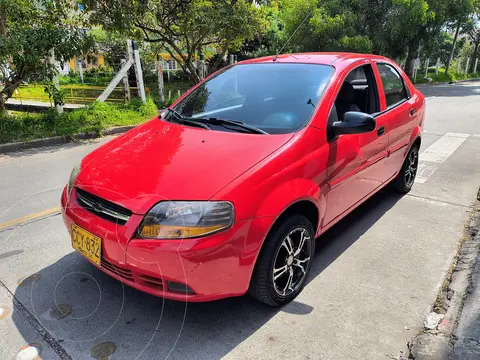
[
  {"x": 97, "y": 117},
  {"x": 85, "y": 94},
  {"x": 73, "y": 94},
  {"x": 442, "y": 76}
]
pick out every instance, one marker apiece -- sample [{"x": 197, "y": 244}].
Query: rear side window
[{"x": 393, "y": 85}]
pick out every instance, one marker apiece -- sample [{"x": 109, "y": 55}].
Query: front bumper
[{"x": 212, "y": 267}]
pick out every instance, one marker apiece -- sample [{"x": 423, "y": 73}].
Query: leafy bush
[
  {"x": 95, "y": 118},
  {"x": 443, "y": 77},
  {"x": 94, "y": 76}
]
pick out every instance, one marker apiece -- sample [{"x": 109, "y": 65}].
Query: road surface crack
[{"x": 39, "y": 328}]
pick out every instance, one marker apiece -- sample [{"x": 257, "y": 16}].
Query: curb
[
  {"x": 60, "y": 140},
  {"x": 437, "y": 342}
]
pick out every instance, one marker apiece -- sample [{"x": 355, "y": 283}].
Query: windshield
[{"x": 277, "y": 98}]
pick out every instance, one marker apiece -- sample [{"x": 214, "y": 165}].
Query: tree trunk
[
  {"x": 410, "y": 62},
  {"x": 219, "y": 59},
  {"x": 3, "y": 25},
  {"x": 3, "y": 108},
  {"x": 6, "y": 94},
  {"x": 453, "y": 47},
  {"x": 475, "y": 54},
  {"x": 186, "y": 65}
]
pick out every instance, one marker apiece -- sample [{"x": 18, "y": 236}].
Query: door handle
[
  {"x": 412, "y": 111},
  {"x": 381, "y": 130}
]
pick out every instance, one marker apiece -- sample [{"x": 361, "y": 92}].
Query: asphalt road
[{"x": 374, "y": 279}]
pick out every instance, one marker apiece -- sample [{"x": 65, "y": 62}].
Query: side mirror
[{"x": 354, "y": 122}]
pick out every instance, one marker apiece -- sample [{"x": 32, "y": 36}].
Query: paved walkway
[{"x": 14, "y": 104}]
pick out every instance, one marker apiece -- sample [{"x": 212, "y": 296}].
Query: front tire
[
  {"x": 406, "y": 177},
  {"x": 284, "y": 261}
]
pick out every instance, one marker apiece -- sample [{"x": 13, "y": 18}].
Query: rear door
[{"x": 397, "y": 111}]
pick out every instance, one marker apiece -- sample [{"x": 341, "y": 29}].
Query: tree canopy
[
  {"x": 183, "y": 27},
  {"x": 29, "y": 33}
]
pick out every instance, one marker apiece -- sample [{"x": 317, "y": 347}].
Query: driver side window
[{"x": 358, "y": 93}]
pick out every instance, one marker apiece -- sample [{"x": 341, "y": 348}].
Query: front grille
[
  {"x": 103, "y": 208},
  {"x": 117, "y": 270}
]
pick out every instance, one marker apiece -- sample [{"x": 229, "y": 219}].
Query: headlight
[
  {"x": 186, "y": 219},
  {"x": 73, "y": 177}
]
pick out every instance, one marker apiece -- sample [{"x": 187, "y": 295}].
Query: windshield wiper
[
  {"x": 182, "y": 119},
  {"x": 221, "y": 122}
]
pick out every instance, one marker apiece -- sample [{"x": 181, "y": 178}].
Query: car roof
[{"x": 326, "y": 58}]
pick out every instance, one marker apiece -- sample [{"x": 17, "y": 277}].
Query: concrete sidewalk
[
  {"x": 30, "y": 105},
  {"x": 467, "y": 334}
]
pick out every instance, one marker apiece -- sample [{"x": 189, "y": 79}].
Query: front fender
[{"x": 289, "y": 193}]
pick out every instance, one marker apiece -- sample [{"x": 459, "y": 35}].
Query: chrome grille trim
[{"x": 104, "y": 210}]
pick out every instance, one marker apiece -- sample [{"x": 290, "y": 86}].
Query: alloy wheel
[
  {"x": 291, "y": 262},
  {"x": 411, "y": 168}
]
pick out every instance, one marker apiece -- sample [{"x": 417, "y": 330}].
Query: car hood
[{"x": 165, "y": 161}]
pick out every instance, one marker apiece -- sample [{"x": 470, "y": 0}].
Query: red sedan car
[{"x": 226, "y": 191}]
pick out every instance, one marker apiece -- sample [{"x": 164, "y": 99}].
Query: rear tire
[
  {"x": 406, "y": 177},
  {"x": 284, "y": 261}
]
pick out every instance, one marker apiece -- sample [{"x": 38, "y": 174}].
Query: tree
[
  {"x": 268, "y": 42},
  {"x": 439, "y": 47},
  {"x": 472, "y": 29},
  {"x": 330, "y": 26},
  {"x": 30, "y": 32},
  {"x": 395, "y": 28},
  {"x": 183, "y": 27},
  {"x": 460, "y": 12}
]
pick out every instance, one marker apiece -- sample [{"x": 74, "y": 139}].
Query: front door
[{"x": 356, "y": 162}]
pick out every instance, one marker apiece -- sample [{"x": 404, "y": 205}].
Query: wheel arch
[
  {"x": 417, "y": 142},
  {"x": 305, "y": 207}
]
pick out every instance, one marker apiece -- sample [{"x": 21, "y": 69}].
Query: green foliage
[
  {"x": 440, "y": 46},
  {"x": 183, "y": 27},
  {"x": 111, "y": 44},
  {"x": 268, "y": 42},
  {"x": 30, "y": 31},
  {"x": 95, "y": 76},
  {"x": 55, "y": 93},
  {"x": 331, "y": 25},
  {"x": 95, "y": 118},
  {"x": 443, "y": 76},
  {"x": 392, "y": 28}
]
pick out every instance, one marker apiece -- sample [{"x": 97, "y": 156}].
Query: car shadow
[
  {"x": 451, "y": 90},
  {"x": 83, "y": 308}
]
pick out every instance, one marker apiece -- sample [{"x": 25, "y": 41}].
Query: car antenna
[{"x": 291, "y": 36}]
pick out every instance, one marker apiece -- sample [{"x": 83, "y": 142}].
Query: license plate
[{"x": 87, "y": 244}]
